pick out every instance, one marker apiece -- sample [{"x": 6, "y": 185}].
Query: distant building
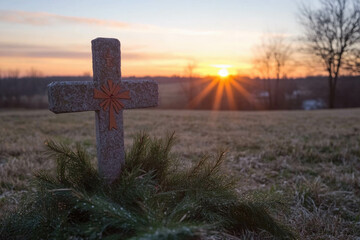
[
  {"x": 297, "y": 94},
  {"x": 264, "y": 94},
  {"x": 312, "y": 104}
]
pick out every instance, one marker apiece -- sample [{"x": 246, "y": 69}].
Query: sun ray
[
  {"x": 203, "y": 94},
  {"x": 218, "y": 96},
  {"x": 244, "y": 92},
  {"x": 230, "y": 95}
]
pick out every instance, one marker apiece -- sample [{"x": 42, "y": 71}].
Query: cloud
[
  {"x": 47, "y": 54},
  {"x": 20, "y": 50},
  {"x": 150, "y": 56},
  {"x": 49, "y": 19},
  {"x": 22, "y": 46},
  {"x": 39, "y": 51},
  {"x": 44, "y": 19}
]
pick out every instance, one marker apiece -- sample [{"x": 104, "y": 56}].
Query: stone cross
[{"x": 107, "y": 95}]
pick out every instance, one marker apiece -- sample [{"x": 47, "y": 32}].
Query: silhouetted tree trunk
[{"x": 332, "y": 95}]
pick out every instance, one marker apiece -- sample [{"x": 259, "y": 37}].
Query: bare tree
[
  {"x": 13, "y": 73},
  {"x": 189, "y": 85},
  {"x": 331, "y": 33},
  {"x": 272, "y": 61},
  {"x": 352, "y": 63},
  {"x": 86, "y": 74},
  {"x": 34, "y": 73}
]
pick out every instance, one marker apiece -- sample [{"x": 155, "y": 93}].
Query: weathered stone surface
[
  {"x": 109, "y": 143},
  {"x": 106, "y": 60},
  {"x": 79, "y": 96},
  {"x": 143, "y": 93}
]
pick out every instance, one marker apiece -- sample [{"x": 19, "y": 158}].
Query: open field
[{"x": 311, "y": 159}]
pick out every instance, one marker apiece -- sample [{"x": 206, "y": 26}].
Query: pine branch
[{"x": 147, "y": 201}]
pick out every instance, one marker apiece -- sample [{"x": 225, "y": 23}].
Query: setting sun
[{"x": 223, "y": 72}]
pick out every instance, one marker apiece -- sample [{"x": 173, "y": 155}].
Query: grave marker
[{"x": 107, "y": 95}]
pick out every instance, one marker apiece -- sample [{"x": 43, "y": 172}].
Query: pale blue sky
[{"x": 197, "y": 14}]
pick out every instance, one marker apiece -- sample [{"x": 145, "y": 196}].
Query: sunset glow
[
  {"x": 223, "y": 72},
  {"x": 55, "y": 39}
]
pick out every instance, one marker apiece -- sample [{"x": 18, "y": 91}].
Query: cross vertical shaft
[{"x": 109, "y": 143}]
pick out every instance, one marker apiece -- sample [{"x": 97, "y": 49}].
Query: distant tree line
[
  {"x": 247, "y": 93},
  {"x": 297, "y": 93},
  {"x": 28, "y": 92}
]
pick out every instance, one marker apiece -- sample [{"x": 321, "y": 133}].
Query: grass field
[{"x": 310, "y": 159}]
